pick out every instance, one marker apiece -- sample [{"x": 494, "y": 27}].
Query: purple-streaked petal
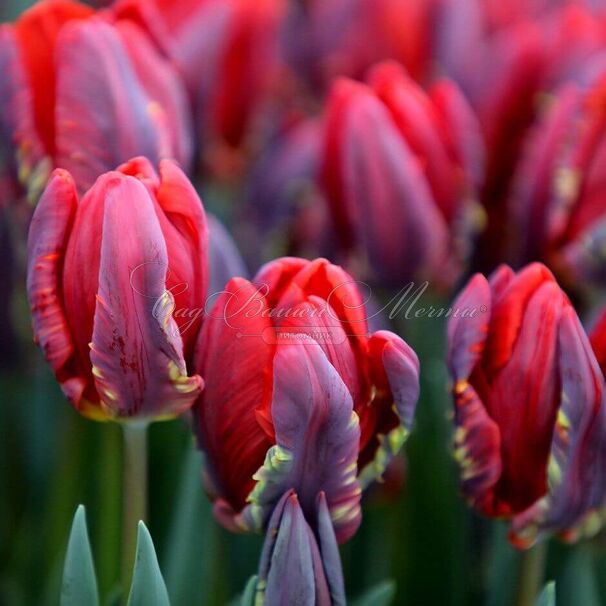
[
  {"x": 576, "y": 470},
  {"x": 291, "y": 570},
  {"x": 136, "y": 349},
  {"x": 329, "y": 551},
  {"x": 317, "y": 438},
  {"x": 468, "y": 327},
  {"x": 394, "y": 369}
]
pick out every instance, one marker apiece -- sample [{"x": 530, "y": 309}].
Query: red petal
[
  {"x": 48, "y": 236},
  {"x": 234, "y": 354}
]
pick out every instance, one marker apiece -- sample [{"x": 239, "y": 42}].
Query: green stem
[
  {"x": 532, "y": 571},
  {"x": 134, "y": 495}
]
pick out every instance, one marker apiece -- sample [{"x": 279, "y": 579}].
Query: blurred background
[{"x": 417, "y": 532}]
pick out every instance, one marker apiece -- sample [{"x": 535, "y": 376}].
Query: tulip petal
[
  {"x": 37, "y": 31},
  {"x": 577, "y": 463},
  {"x": 47, "y": 241},
  {"x": 524, "y": 398},
  {"x": 291, "y": 570},
  {"x": 468, "y": 327},
  {"x": 164, "y": 89},
  {"x": 329, "y": 550},
  {"x": 183, "y": 224},
  {"x": 234, "y": 354},
  {"x": 104, "y": 115},
  {"x": 477, "y": 443},
  {"x": 507, "y": 313},
  {"x": 22, "y": 156},
  {"x": 317, "y": 437},
  {"x": 136, "y": 349}
]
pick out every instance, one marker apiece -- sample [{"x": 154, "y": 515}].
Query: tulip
[
  {"x": 529, "y": 414},
  {"x": 115, "y": 283},
  {"x": 400, "y": 168},
  {"x": 557, "y": 205},
  {"x": 298, "y": 396},
  {"x": 226, "y": 52},
  {"x": 85, "y": 95}
]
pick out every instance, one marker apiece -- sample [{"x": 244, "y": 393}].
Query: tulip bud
[
  {"x": 529, "y": 414},
  {"x": 399, "y": 169},
  {"x": 314, "y": 403},
  {"x": 86, "y": 95},
  {"x": 300, "y": 561},
  {"x": 115, "y": 284}
]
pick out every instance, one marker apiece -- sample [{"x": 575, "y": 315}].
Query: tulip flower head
[
  {"x": 529, "y": 411},
  {"x": 85, "y": 95},
  {"x": 400, "y": 167},
  {"x": 557, "y": 205},
  {"x": 113, "y": 280},
  {"x": 298, "y": 396}
]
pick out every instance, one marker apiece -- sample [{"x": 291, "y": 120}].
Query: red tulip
[
  {"x": 400, "y": 167},
  {"x": 558, "y": 207},
  {"x": 115, "y": 285},
  {"x": 529, "y": 412},
  {"x": 226, "y": 51},
  {"x": 85, "y": 95},
  {"x": 292, "y": 378}
]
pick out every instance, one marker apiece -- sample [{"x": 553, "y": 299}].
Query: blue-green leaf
[
  {"x": 79, "y": 585},
  {"x": 248, "y": 597},
  {"x": 191, "y": 557},
  {"x": 381, "y": 594},
  {"x": 547, "y": 597},
  {"x": 577, "y": 584},
  {"x": 148, "y": 588}
]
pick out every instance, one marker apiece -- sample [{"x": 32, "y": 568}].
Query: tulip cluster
[{"x": 362, "y": 131}]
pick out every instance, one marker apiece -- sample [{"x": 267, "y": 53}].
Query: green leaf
[
  {"x": 191, "y": 558},
  {"x": 577, "y": 584},
  {"x": 248, "y": 597},
  {"x": 79, "y": 585},
  {"x": 148, "y": 588},
  {"x": 381, "y": 594},
  {"x": 547, "y": 597}
]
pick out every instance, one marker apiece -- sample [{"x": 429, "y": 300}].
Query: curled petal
[
  {"x": 395, "y": 375},
  {"x": 317, "y": 437},
  {"x": 136, "y": 349},
  {"x": 477, "y": 443},
  {"x": 48, "y": 236}
]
